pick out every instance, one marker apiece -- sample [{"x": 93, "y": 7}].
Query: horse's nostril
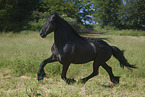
[{"x": 42, "y": 35}]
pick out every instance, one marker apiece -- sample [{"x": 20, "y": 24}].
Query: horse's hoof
[
  {"x": 41, "y": 77},
  {"x": 115, "y": 80},
  {"x": 70, "y": 81}
]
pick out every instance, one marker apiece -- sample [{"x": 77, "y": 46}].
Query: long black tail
[{"x": 118, "y": 54}]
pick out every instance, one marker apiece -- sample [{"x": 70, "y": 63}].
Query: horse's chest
[{"x": 64, "y": 53}]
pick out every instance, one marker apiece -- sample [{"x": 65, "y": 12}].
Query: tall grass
[{"x": 21, "y": 54}]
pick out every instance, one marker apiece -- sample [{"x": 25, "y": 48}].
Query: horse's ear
[{"x": 54, "y": 15}]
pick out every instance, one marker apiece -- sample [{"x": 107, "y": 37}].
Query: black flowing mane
[{"x": 66, "y": 26}]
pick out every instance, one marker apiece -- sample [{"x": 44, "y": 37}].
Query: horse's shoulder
[{"x": 54, "y": 49}]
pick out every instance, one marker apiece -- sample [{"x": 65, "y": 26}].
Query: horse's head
[{"x": 49, "y": 26}]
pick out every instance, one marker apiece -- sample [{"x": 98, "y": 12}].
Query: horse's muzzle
[{"x": 42, "y": 35}]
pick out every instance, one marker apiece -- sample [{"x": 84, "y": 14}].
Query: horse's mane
[{"x": 67, "y": 26}]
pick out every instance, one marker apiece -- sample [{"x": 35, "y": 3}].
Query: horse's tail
[{"x": 118, "y": 54}]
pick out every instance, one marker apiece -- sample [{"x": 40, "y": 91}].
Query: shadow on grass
[{"x": 110, "y": 86}]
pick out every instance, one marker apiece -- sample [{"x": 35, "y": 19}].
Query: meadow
[{"x": 22, "y": 53}]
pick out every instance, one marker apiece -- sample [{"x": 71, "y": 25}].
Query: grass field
[{"x": 21, "y": 54}]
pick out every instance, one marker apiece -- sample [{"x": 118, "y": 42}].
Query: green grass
[{"x": 21, "y": 54}]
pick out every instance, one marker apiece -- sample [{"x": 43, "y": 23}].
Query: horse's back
[{"x": 103, "y": 49}]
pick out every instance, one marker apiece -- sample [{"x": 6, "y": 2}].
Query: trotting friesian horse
[{"x": 69, "y": 47}]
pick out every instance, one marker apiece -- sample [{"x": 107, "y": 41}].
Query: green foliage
[
  {"x": 132, "y": 13},
  {"x": 71, "y": 8},
  {"x": 120, "y": 13},
  {"x": 62, "y": 7},
  {"x": 35, "y": 25},
  {"x": 14, "y": 14},
  {"x": 106, "y": 12},
  {"x": 17, "y": 15}
]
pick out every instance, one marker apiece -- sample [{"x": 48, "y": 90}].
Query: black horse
[{"x": 69, "y": 47}]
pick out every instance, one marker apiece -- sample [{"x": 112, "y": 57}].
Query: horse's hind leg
[
  {"x": 94, "y": 73},
  {"x": 41, "y": 74},
  {"x": 114, "y": 79}
]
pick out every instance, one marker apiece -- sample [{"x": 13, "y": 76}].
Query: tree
[
  {"x": 132, "y": 14},
  {"x": 106, "y": 12},
  {"x": 120, "y": 13},
  {"x": 77, "y": 9},
  {"x": 14, "y": 14}
]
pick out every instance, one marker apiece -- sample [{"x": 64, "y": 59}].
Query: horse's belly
[
  {"x": 83, "y": 54},
  {"x": 78, "y": 61}
]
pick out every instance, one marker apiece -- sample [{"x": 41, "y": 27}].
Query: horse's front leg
[
  {"x": 41, "y": 74},
  {"x": 63, "y": 74}
]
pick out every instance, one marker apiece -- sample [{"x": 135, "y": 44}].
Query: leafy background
[{"x": 17, "y": 15}]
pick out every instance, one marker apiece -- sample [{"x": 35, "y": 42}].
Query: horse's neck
[{"x": 62, "y": 36}]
